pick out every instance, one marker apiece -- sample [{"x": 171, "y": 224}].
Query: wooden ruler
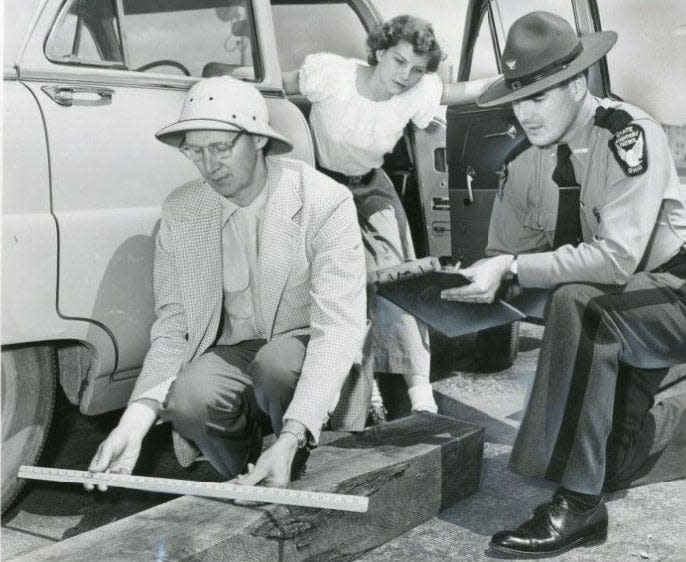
[{"x": 220, "y": 490}]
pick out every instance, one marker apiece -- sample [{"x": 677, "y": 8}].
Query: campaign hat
[{"x": 541, "y": 51}]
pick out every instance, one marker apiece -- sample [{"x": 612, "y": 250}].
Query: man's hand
[
  {"x": 119, "y": 452},
  {"x": 485, "y": 277},
  {"x": 273, "y": 468}
]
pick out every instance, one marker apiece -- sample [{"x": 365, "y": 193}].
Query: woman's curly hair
[{"x": 417, "y": 32}]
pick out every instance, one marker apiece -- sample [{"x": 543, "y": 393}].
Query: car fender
[{"x": 30, "y": 237}]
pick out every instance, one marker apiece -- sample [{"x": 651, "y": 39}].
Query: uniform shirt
[
  {"x": 242, "y": 314},
  {"x": 353, "y": 133},
  {"x": 632, "y": 206}
]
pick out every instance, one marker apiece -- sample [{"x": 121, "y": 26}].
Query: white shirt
[
  {"x": 242, "y": 318},
  {"x": 353, "y": 133},
  {"x": 242, "y": 313}
]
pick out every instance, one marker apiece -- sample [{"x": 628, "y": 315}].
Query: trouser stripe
[{"x": 591, "y": 320}]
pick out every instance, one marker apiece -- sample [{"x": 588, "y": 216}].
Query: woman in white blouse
[{"x": 359, "y": 112}]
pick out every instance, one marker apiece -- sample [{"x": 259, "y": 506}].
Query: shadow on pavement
[
  {"x": 496, "y": 431},
  {"x": 73, "y": 440}
]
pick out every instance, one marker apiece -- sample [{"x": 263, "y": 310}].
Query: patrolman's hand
[
  {"x": 485, "y": 278},
  {"x": 119, "y": 452},
  {"x": 273, "y": 468}
]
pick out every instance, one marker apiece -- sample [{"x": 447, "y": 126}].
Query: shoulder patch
[{"x": 629, "y": 149}]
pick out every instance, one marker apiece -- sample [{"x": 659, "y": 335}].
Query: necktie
[{"x": 568, "y": 224}]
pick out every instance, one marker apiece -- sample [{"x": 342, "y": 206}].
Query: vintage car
[{"x": 86, "y": 85}]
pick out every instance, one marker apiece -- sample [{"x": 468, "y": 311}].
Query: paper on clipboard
[{"x": 421, "y": 297}]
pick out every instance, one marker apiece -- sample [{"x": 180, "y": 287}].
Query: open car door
[{"x": 480, "y": 139}]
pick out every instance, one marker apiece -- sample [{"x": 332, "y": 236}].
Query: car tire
[
  {"x": 28, "y": 401},
  {"x": 496, "y": 348}
]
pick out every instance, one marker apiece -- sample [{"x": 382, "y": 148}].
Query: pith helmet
[{"x": 222, "y": 103}]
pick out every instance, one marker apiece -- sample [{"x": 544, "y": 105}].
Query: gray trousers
[
  {"x": 217, "y": 399},
  {"x": 590, "y": 331},
  {"x": 648, "y": 439}
]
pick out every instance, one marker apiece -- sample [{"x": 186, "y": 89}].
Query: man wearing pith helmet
[
  {"x": 614, "y": 245},
  {"x": 259, "y": 284}
]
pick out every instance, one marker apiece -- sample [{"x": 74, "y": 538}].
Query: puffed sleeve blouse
[{"x": 352, "y": 133}]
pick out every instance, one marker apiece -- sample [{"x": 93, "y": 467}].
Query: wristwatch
[
  {"x": 301, "y": 435},
  {"x": 509, "y": 287},
  {"x": 514, "y": 270}
]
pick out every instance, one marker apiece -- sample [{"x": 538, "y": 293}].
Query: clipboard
[{"x": 421, "y": 297}]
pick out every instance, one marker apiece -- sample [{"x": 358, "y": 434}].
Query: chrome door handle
[
  {"x": 511, "y": 132},
  {"x": 470, "y": 194},
  {"x": 79, "y": 95}
]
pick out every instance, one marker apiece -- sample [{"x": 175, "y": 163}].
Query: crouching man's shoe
[{"x": 564, "y": 523}]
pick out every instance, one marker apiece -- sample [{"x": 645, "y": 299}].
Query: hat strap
[{"x": 548, "y": 70}]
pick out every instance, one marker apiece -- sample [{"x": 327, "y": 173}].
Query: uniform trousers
[
  {"x": 217, "y": 400},
  {"x": 648, "y": 439},
  {"x": 590, "y": 332}
]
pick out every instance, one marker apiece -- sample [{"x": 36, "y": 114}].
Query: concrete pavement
[{"x": 646, "y": 523}]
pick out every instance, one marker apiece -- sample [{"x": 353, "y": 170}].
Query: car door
[
  {"x": 107, "y": 75},
  {"x": 479, "y": 139}
]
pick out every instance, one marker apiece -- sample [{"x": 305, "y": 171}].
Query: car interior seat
[{"x": 244, "y": 72}]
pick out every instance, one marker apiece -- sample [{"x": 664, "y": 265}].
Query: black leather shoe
[
  {"x": 555, "y": 528},
  {"x": 377, "y": 414}
]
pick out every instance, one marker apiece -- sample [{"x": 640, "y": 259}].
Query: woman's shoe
[{"x": 377, "y": 414}]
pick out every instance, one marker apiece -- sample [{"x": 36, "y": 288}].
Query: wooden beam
[{"x": 410, "y": 469}]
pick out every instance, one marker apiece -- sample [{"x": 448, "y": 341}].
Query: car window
[
  {"x": 205, "y": 34},
  {"x": 184, "y": 37},
  {"x": 484, "y": 62},
  {"x": 304, "y": 28},
  {"x": 86, "y": 32},
  {"x": 506, "y": 12}
]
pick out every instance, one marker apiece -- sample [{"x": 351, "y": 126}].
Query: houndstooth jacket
[{"x": 311, "y": 278}]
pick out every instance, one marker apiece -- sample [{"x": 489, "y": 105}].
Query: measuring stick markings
[{"x": 220, "y": 490}]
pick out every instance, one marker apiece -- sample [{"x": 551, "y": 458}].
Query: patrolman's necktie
[{"x": 568, "y": 224}]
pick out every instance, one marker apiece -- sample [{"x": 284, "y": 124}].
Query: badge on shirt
[
  {"x": 628, "y": 146},
  {"x": 502, "y": 174}
]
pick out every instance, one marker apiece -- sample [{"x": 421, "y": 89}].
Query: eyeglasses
[{"x": 218, "y": 150}]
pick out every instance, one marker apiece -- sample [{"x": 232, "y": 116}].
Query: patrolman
[
  {"x": 615, "y": 251},
  {"x": 259, "y": 284}
]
